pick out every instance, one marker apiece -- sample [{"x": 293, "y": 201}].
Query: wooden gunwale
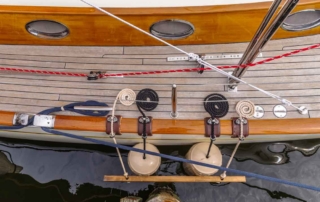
[
  {"x": 181, "y": 127},
  {"x": 144, "y": 11}
]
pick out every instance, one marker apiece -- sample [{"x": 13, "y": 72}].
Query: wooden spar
[
  {"x": 114, "y": 178},
  {"x": 182, "y": 127},
  {"x": 15, "y": 18}
]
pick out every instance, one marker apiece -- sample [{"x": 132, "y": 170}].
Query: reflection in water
[
  {"x": 6, "y": 166},
  {"x": 73, "y": 173},
  {"x": 272, "y": 153},
  {"x": 276, "y": 194}
]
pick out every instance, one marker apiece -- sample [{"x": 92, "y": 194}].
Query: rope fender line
[
  {"x": 110, "y": 144},
  {"x": 105, "y": 75},
  {"x": 179, "y": 159}
]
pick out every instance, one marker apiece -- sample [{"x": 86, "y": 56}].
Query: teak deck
[{"x": 295, "y": 78}]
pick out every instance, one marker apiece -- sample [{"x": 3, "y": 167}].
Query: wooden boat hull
[
  {"x": 158, "y": 139},
  {"x": 212, "y": 24},
  {"x": 219, "y": 31}
]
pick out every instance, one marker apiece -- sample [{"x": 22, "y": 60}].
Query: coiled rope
[
  {"x": 217, "y": 106},
  {"x": 127, "y": 97},
  {"x": 196, "y": 58},
  {"x": 245, "y": 109},
  {"x": 148, "y": 101}
]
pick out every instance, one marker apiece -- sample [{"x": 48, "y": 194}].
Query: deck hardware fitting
[
  {"x": 208, "y": 127},
  {"x": 209, "y": 57},
  {"x": 236, "y": 127},
  {"x": 44, "y": 121},
  {"x": 228, "y": 88},
  {"x": 116, "y": 124},
  {"x": 174, "y": 113},
  {"x": 148, "y": 127},
  {"x": 303, "y": 110},
  {"x": 94, "y": 75},
  {"x": 279, "y": 111},
  {"x": 21, "y": 119},
  {"x": 259, "y": 112}
]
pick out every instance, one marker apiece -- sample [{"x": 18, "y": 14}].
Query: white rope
[
  {"x": 128, "y": 97},
  {"x": 196, "y": 57},
  {"x": 245, "y": 109}
]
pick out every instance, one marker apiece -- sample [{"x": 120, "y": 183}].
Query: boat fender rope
[
  {"x": 143, "y": 97},
  {"x": 179, "y": 159},
  {"x": 245, "y": 109},
  {"x": 217, "y": 106},
  {"x": 127, "y": 97}
]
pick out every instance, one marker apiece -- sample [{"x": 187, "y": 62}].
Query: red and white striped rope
[{"x": 13, "y": 69}]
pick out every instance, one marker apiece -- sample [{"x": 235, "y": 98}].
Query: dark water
[{"x": 37, "y": 171}]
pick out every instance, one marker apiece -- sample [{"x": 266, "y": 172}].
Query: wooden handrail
[{"x": 183, "y": 127}]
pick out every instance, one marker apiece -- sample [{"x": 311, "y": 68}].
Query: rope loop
[
  {"x": 245, "y": 108},
  {"x": 147, "y": 99},
  {"x": 216, "y": 105}
]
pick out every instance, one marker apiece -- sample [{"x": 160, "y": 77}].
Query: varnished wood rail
[
  {"x": 113, "y": 178},
  {"x": 183, "y": 127},
  {"x": 227, "y": 24}
]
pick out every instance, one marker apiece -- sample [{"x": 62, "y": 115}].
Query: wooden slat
[{"x": 113, "y": 178}]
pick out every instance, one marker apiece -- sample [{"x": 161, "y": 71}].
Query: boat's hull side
[
  {"x": 33, "y": 133},
  {"x": 87, "y": 26}
]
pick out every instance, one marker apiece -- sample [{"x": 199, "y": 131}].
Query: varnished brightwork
[
  {"x": 182, "y": 127},
  {"x": 113, "y": 178},
  {"x": 213, "y": 24},
  {"x": 6, "y": 118}
]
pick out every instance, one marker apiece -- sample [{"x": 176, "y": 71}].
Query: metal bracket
[
  {"x": 208, "y": 57},
  {"x": 236, "y": 128},
  {"x": 208, "y": 124},
  {"x": 21, "y": 119},
  {"x": 95, "y": 75},
  {"x": 148, "y": 121},
  {"x": 228, "y": 88},
  {"x": 116, "y": 124},
  {"x": 44, "y": 120}
]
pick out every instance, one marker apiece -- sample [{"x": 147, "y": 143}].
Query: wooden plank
[
  {"x": 113, "y": 178},
  {"x": 76, "y": 60},
  {"x": 61, "y": 51},
  {"x": 27, "y": 63}
]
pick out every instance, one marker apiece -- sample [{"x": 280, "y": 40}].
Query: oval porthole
[
  {"x": 47, "y": 29},
  {"x": 302, "y": 20},
  {"x": 172, "y": 29}
]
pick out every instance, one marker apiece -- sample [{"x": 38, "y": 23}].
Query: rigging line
[
  {"x": 135, "y": 27},
  {"x": 195, "y": 57}
]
